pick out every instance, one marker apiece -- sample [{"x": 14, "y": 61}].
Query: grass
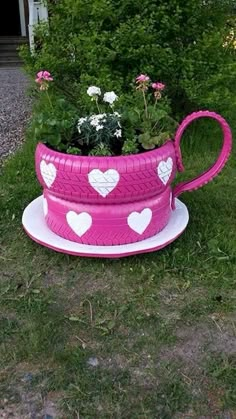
[{"x": 149, "y": 336}]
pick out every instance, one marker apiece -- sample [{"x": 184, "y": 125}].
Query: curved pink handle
[{"x": 209, "y": 174}]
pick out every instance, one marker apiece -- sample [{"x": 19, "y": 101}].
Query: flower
[
  {"x": 142, "y": 78},
  {"x": 98, "y": 127},
  {"x": 158, "y": 86},
  {"x": 110, "y": 97},
  {"x": 94, "y": 122},
  {"x": 43, "y": 76},
  {"x": 94, "y": 91},
  {"x": 117, "y": 133},
  {"x": 80, "y": 122}
]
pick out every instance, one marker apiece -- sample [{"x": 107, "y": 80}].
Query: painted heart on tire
[
  {"x": 48, "y": 172},
  {"x": 103, "y": 182},
  {"x": 164, "y": 170},
  {"x": 79, "y": 223},
  {"x": 139, "y": 221}
]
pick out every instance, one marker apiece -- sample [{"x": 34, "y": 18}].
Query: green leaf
[{"x": 144, "y": 137}]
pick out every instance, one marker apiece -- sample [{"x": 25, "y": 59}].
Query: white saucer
[{"x": 36, "y": 227}]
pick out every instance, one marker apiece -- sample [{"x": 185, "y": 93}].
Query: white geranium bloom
[
  {"x": 94, "y": 91},
  {"x": 117, "y": 133},
  {"x": 117, "y": 114},
  {"x": 110, "y": 97}
]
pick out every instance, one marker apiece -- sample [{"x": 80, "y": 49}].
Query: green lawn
[{"x": 159, "y": 329}]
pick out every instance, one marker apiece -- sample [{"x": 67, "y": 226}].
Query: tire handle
[{"x": 216, "y": 168}]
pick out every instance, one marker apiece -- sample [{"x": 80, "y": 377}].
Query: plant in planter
[
  {"x": 141, "y": 122},
  {"x": 108, "y": 181}
]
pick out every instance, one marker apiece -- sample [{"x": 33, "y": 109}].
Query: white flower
[
  {"x": 117, "y": 133},
  {"x": 100, "y": 115},
  {"x": 94, "y": 122},
  {"x": 110, "y": 97},
  {"x": 97, "y": 119},
  {"x": 98, "y": 127},
  {"x": 81, "y": 121},
  {"x": 117, "y": 114},
  {"x": 94, "y": 91}
]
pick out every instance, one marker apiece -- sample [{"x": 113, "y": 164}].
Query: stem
[
  {"x": 145, "y": 104},
  {"x": 97, "y": 105},
  {"x": 49, "y": 100},
  {"x": 154, "y": 126}
]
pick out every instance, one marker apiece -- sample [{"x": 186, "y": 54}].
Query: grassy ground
[{"x": 151, "y": 336}]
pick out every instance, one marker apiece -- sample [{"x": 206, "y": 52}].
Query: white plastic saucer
[{"x": 36, "y": 227}]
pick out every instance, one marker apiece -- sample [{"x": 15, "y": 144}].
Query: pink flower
[
  {"x": 158, "y": 86},
  {"x": 142, "y": 78},
  {"x": 43, "y": 76}
]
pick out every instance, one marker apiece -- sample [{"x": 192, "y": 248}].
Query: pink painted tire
[
  {"x": 107, "y": 224},
  {"x": 109, "y": 180}
]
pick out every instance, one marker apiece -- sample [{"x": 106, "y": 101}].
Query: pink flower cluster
[
  {"x": 43, "y": 76},
  {"x": 142, "y": 79},
  {"x": 158, "y": 86}
]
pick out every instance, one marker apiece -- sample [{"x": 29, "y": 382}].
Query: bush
[{"x": 108, "y": 42}]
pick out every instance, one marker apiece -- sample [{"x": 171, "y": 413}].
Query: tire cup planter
[{"x": 115, "y": 202}]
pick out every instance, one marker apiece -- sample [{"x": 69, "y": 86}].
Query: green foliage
[
  {"x": 108, "y": 42},
  {"x": 73, "y": 150},
  {"x": 130, "y": 146},
  {"x": 101, "y": 150},
  {"x": 53, "y": 121}
]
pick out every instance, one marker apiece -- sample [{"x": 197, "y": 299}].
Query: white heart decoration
[
  {"x": 164, "y": 170},
  {"x": 103, "y": 182},
  {"x": 139, "y": 221},
  {"x": 79, "y": 223},
  {"x": 48, "y": 172},
  {"x": 45, "y": 207}
]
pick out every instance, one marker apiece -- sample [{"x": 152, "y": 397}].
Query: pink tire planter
[{"x": 118, "y": 200}]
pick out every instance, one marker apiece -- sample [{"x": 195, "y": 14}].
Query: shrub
[{"x": 108, "y": 42}]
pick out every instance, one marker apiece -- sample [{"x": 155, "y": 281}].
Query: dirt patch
[
  {"x": 195, "y": 342},
  {"x": 30, "y": 406},
  {"x": 22, "y": 398},
  {"x": 193, "y": 415}
]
